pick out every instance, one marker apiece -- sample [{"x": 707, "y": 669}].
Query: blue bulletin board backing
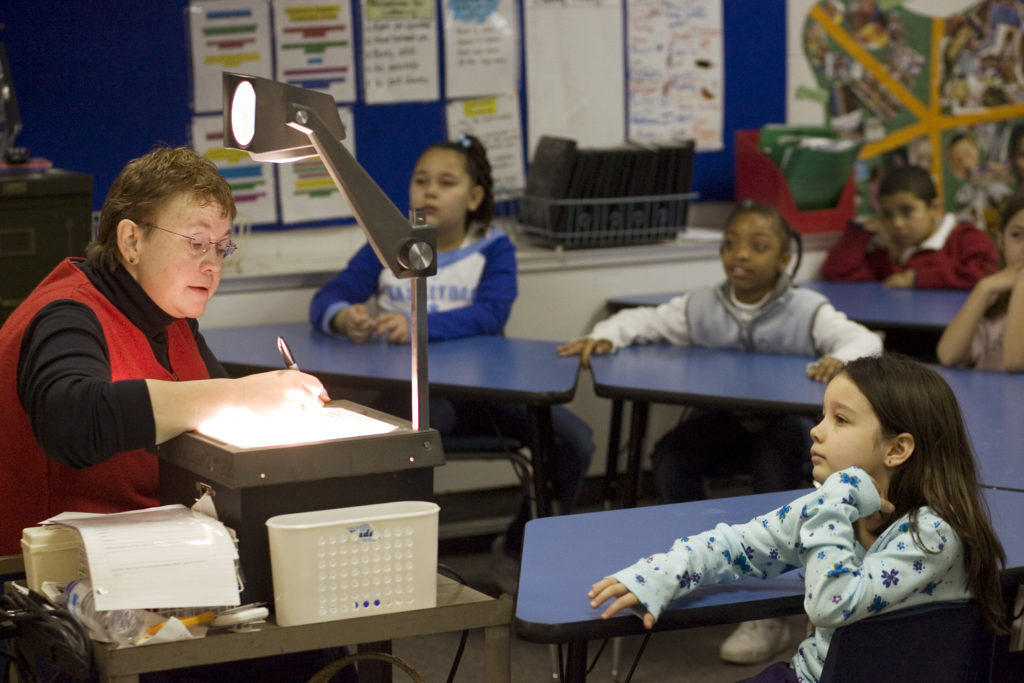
[{"x": 101, "y": 83}]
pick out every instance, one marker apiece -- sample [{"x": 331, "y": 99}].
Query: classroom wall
[{"x": 101, "y": 82}]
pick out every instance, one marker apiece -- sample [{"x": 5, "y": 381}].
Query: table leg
[
  {"x": 611, "y": 469},
  {"x": 637, "y": 433},
  {"x": 497, "y": 654},
  {"x": 542, "y": 447},
  {"x": 576, "y": 663}
]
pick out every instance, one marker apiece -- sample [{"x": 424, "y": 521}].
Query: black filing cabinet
[{"x": 45, "y": 216}]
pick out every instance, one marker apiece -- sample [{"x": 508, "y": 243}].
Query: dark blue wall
[{"x": 102, "y": 82}]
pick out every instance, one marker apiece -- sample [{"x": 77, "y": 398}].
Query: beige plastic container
[
  {"x": 353, "y": 562},
  {"x": 51, "y": 553}
]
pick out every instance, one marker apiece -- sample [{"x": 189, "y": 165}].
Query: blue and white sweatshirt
[
  {"x": 844, "y": 582},
  {"x": 471, "y": 294}
]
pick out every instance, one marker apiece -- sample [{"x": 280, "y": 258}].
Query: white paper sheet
[
  {"x": 157, "y": 557},
  {"x": 495, "y": 120},
  {"x": 574, "y": 71},
  {"x": 226, "y": 35},
  {"x": 480, "y": 40},
  {"x": 399, "y": 51},
  {"x": 245, "y": 429}
]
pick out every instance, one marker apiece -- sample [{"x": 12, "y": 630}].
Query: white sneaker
[{"x": 754, "y": 642}]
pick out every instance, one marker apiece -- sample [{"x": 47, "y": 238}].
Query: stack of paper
[{"x": 157, "y": 558}]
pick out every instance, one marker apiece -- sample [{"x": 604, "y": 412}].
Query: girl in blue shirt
[
  {"x": 471, "y": 294},
  {"x": 896, "y": 523}
]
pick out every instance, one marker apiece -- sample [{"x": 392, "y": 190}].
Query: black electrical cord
[
  {"x": 455, "y": 576},
  {"x": 52, "y": 632}
]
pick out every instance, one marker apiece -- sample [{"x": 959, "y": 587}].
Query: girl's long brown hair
[{"x": 910, "y": 397}]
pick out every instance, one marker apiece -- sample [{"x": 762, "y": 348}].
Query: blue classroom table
[
  {"x": 563, "y": 556},
  {"x": 487, "y": 368},
  {"x": 869, "y": 303},
  {"x": 663, "y": 373}
]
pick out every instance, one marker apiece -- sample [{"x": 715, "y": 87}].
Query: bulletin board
[
  {"x": 937, "y": 84},
  {"x": 106, "y": 84}
]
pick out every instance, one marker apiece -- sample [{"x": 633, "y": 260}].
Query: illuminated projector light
[{"x": 244, "y": 429}]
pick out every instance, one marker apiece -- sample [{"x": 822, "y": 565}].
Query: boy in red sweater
[{"x": 915, "y": 243}]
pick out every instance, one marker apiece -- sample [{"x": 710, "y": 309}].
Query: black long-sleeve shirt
[{"x": 78, "y": 415}]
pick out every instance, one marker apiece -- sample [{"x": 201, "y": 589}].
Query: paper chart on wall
[
  {"x": 252, "y": 183},
  {"x": 226, "y": 35},
  {"x": 480, "y": 38},
  {"x": 575, "y": 71},
  {"x": 399, "y": 51},
  {"x": 676, "y": 81},
  {"x": 313, "y": 46},
  {"x": 307, "y": 191},
  {"x": 495, "y": 120}
]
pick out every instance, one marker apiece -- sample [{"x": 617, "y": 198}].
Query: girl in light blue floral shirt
[{"x": 897, "y": 522}]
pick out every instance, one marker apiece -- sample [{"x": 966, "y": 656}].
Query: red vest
[{"x": 33, "y": 487}]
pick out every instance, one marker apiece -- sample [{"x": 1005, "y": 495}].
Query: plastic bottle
[{"x": 117, "y": 626}]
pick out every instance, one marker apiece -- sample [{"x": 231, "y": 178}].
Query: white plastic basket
[{"x": 353, "y": 562}]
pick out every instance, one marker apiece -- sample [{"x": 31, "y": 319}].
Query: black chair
[
  {"x": 463, "y": 448},
  {"x": 945, "y": 641}
]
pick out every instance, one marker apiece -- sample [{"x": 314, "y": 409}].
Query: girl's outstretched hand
[
  {"x": 822, "y": 370},
  {"x": 585, "y": 347},
  {"x": 609, "y": 588}
]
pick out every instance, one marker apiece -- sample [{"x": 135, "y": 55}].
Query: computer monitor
[{"x": 10, "y": 118}]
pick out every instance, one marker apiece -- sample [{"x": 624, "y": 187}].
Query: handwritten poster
[
  {"x": 495, "y": 120},
  {"x": 252, "y": 183},
  {"x": 574, "y": 72},
  {"x": 480, "y": 39},
  {"x": 676, "y": 80},
  {"x": 307, "y": 191},
  {"x": 313, "y": 46},
  {"x": 226, "y": 35},
  {"x": 399, "y": 51}
]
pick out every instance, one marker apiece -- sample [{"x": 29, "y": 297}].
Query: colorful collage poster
[
  {"x": 313, "y": 47},
  {"x": 480, "y": 39},
  {"x": 226, "y": 35},
  {"x": 934, "y": 84},
  {"x": 676, "y": 82}
]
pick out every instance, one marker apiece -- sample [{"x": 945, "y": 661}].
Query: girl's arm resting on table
[
  {"x": 356, "y": 284},
  {"x": 763, "y": 548},
  {"x": 954, "y": 347},
  {"x": 1013, "y": 339},
  {"x": 647, "y": 324},
  {"x": 837, "y": 336},
  {"x": 845, "y": 584}
]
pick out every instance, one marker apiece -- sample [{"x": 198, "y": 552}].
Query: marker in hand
[{"x": 286, "y": 354}]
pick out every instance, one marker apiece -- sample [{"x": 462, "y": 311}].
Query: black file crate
[
  {"x": 45, "y": 216},
  {"x": 603, "y": 222}
]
